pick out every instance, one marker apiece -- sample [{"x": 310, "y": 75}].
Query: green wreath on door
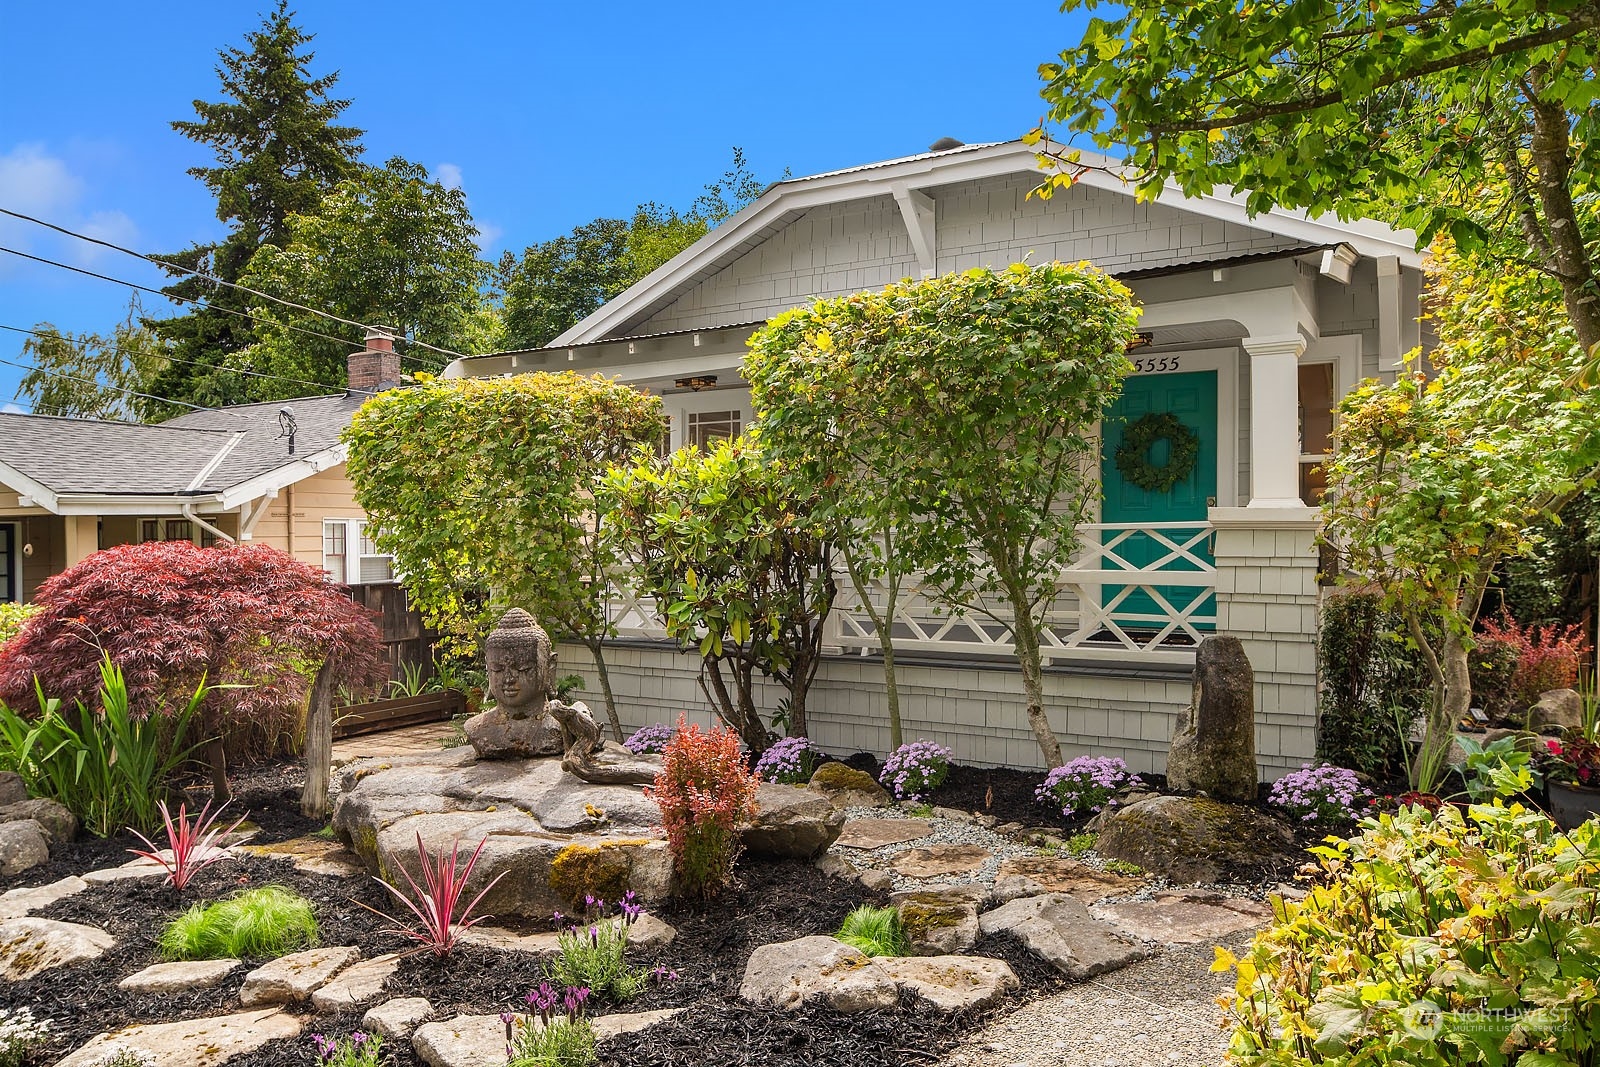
[{"x": 1133, "y": 455}]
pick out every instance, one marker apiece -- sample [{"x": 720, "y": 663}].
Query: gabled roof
[
  {"x": 231, "y": 455},
  {"x": 786, "y": 201}
]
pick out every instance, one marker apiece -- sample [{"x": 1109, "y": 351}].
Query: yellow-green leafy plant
[
  {"x": 12, "y": 616},
  {"x": 874, "y": 932},
  {"x": 1436, "y": 940},
  {"x": 488, "y": 483}
]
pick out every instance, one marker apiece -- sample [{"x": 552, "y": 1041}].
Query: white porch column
[
  {"x": 1275, "y": 420},
  {"x": 82, "y": 537}
]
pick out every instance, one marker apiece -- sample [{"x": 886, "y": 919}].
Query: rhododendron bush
[
  {"x": 705, "y": 792},
  {"x": 248, "y": 618}
]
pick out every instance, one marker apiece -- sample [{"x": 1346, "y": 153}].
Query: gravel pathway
[{"x": 1153, "y": 1014}]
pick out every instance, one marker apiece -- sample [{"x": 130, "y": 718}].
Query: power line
[
  {"x": 195, "y": 300},
  {"x": 212, "y": 278},
  {"x": 128, "y": 392},
  {"x": 191, "y": 362}
]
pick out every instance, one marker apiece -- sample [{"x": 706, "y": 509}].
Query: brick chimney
[{"x": 378, "y": 366}]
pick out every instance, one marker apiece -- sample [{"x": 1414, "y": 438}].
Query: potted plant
[{"x": 1572, "y": 775}]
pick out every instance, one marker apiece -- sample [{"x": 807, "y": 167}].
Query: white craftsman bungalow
[{"x": 1254, "y": 326}]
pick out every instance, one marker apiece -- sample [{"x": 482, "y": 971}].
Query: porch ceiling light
[
  {"x": 1140, "y": 340},
  {"x": 697, "y": 382}
]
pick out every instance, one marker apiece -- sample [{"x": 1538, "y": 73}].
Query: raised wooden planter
[{"x": 356, "y": 719}]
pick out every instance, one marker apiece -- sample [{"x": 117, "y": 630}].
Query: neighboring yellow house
[{"x": 270, "y": 472}]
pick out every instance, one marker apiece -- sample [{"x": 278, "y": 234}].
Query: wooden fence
[{"x": 405, "y": 639}]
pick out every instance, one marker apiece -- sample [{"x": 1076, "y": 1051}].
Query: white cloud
[
  {"x": 13, "y": 409},
  {"x": 488, "y": 235},
  {"x": 36, "y": 182},
  {"x": 448, "y": 175}
]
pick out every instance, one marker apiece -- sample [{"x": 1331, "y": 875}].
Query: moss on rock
[{"x": 603, "y": 870}]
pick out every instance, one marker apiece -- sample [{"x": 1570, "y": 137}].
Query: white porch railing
[{"x": 1135, "y": 594}]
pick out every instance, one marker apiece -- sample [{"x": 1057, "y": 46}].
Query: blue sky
[{"x": 549, "y": 114}]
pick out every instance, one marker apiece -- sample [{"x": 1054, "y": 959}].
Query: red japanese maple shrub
[
  {"x": 1547, "y": 656},
  {"x": 169, "y": 613},
  {"x": 705, "y": 792}
]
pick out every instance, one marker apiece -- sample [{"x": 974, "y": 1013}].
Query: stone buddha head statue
[{"x": 521, "y": 664}]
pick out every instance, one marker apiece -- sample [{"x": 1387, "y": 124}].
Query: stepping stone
[
  {"x": 1059, "y": 929},
  {"x": 1030, "y": 876},
  {"x": 360, "y": 984},
  {"x": 315, "y": 855},
  {"x": 792, "y": 973},
  {"x": 951, "y": 983},
  {"x": 878, "y": 833},
  {"x": 176, "y": 977},
  {"x": 939, "y": 922},
  {"x": 1185, "y": 918},
  {"x": 193, "y": 1042},
  {"x": 29, "y": 946},
  {"x": 940, "y": 861},
  {"x": 476, "y": 1040},
  {"x": 15, "y": 903},
  {"x": 648, "y": 933},
  {"x": 140, "y": 868},
  {"x": 295, "y": 977},
  {"x": 396, "y": 1019}
]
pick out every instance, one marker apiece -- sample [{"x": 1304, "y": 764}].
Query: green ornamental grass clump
[
  {"x": 269, "y": 921},
  {"x": 874, "y": 932}
]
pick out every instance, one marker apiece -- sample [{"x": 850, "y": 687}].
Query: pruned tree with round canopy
[
  {"x": 950, "y": 427},
  {"x": 487, "y": 485}
]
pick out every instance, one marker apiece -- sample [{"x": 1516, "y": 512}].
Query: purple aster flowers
[
  {"x": 1084, "y": 785},
  {"x": 914, "y": 770}
]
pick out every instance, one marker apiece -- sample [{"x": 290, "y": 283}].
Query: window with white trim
[
  {"x": 350, "y": 556},
  {"x": 1316, "y": 429},
  {"x": 705, "y": 427}
]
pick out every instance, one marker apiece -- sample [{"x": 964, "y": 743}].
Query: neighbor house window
[
  {"x": 10, "y": 581},
  {"x": 350, "y": 557},
  {"x": 1316, "y": 429},
  {"x": 704, "y": 427}
]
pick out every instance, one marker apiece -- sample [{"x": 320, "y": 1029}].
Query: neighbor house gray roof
[{"x": 204, "y": 453}]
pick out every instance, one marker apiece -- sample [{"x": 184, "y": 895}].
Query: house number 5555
[{"x": 1156, "y": 364}]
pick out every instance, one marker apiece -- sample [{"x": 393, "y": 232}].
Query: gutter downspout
[{"x": 188, "y": 512}]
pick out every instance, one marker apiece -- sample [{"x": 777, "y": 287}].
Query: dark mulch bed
[
  {"x": 1006, "y": 794},
  {"x": 267, "y": 794}
]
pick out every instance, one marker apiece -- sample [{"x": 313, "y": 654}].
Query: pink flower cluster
[
  {"x": 916, "y": 769},
  {"x": 1084, "y": 785},
  {"x": 1324, "y": 793}
]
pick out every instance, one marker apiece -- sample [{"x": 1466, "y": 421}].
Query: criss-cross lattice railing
[{"x": 1135, "y": 593}]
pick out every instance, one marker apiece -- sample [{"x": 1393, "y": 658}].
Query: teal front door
[{"x": 1192, "y": 398}]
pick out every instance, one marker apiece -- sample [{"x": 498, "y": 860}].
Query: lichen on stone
[
  {"x": 839, "y": 778},
  {"x": 603, "y": 870}
]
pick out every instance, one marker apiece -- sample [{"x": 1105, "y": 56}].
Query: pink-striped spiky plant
[
  {"x": 434, "y": 902},
  {"x": 192, "y": 845}
]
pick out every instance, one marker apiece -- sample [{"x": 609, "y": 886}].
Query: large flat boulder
[
  {"x": 15, "y": 903},
  {"x": 1060, "y": 930},
  {"x": 810, "y": 969},
  {"x": 1196, "y": 839},
  {"x": 1030, "y": 876},
  {"x": 179, "y": 976},
  {"x": 30, "y": 946},
  {"x": 357, "y": 985},
  {"x": 792, "y": 823},
  {"x": 869, "y": 834},
  {"x": 397, "y": 1019},
  {"x": 193, "y": 1042},
  {"x": 1185, "y": 917},
  {"x": 293, "y": 978},
  {"x": 940, "y": 861},
  {"x": 951, "y": 983}
]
